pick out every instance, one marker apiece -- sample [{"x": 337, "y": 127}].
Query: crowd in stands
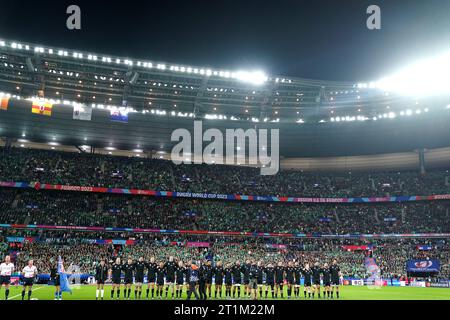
[
  {"x": 63, "y": 208},
  {"x": 154, "y": 174},
  {"x": 124, "y": 211}
]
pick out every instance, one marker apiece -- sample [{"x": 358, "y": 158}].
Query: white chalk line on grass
[{"x": 20, "y": 294}]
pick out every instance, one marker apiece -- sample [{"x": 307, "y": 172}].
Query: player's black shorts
[
  {"x": 5, "y": 280},
  {"x": 316, "y": 282},
  {"x": 308, "y": 284},
  {"x": 280, "y": 282},
  {"x": 28, "y": 281},
  {"x": 56, "y": 281},
  {"x": 228, "y": 282},
  {"x": 139, "y": 279},
  {"x": 237, "y": 281},
  {"x": 128, "y": 280},
  {"x": 270, "y": 283},
  {"x": 298, "y": 282},
  {"x": 100, "y": 281},
  {"x": 335, "y": 282},
  {"x": 116, "y": 280},
  {"x": 170, "y": 279},
  {"x": 219, "y": 281},
  {"x": 253, "y": 283},
  {"x": 246, "y": 281},
  {"x": 291, "y": 280},
  {"x": 259, "y": 281},
  {"x": 160, "y": 282},
  {"x": 209, "y": 281},
  {"x": 151, "y": 279},
  {"x": 327, "y": 283}
]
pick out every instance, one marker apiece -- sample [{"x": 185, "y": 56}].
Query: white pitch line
[{"x": 19, "y": 295}]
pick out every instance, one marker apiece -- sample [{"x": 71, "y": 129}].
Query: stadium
[{"x": 91, "y": 191}]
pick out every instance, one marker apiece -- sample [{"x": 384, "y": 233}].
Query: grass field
[{"x": 87, "y": 292}]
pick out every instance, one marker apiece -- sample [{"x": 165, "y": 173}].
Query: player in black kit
[
  {"x": 170, "y": 267},
  {"x": 139, "y": 268},
  {"x": 259, "y": 277},
  {"x": 180, "y": 273},
  {"x": 270, "y": 279},
  {"x": 116, "y": 272},
  {"x": 160, "y": 273},
  {"x": 316, "y": 271},
  {"x": 290, "y": 278},
  {"x": 335, "y": 274},
  {"x": 218, "y": 279},
  {"x": 326, "y": 278},
  {"x": 208, "y": 269},
  {"x": 128, "y": 268},
  {"x": 101, "y": 274},
  {"x": 298, "y": 276},
  {"x": 279, "y": 279},
  {"x": 237, "y": 280},
  {"x": 307, "y": 275},
  {"x": 228, "y": 271},
  {"x": 151, "y": 277},
  {"x": 246, "y": 271}
]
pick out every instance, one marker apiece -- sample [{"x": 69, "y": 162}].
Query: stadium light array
[{"x": 428, "y": 77}]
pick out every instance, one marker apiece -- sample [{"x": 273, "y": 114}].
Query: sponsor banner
[
  {"x": 390, "y": 219},
  {"x": 420, "y": 284},
  {"x": 438, "y": 284},
  {"x": 355, "y": 248},
  {"x": 198, "y": 244},
  {"x": 15, "y": 239},
  {"x": 237, "y": 197},
  {"x": 81, "y": 112},
  {"x": 358, "y": 282},
  {"x": 424, "y": 248},
  {"x": 276, "y": 246},
  {"x": 222, "y": 233},
  {"x": 431, "y": 265}
]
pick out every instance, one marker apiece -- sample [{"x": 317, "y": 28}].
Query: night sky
[{"x": 320, "y": 39}]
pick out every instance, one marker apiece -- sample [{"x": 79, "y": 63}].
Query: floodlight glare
[
  {"x": 255, "y": 77},
  {"x": 425, "y": 78}
]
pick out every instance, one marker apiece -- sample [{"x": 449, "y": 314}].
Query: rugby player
[
  {"x": 170, "y": 268},
  {"x": 180, "y": 273},
  {"x": 101, "y": 274},
  {"x": 307, "y": 275},
  {"x": 116, "y": 273},
  {"x": 335, "y": 274},
  {"x": 139, "y": 269},
  {"x": 151, "y": 277}
]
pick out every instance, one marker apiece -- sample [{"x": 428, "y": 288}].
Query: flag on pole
[
  {"x": 4, "y": 103},
  {"x": 41, "y": 107},
  {"x": 64, "y": 282},
  {"x": 81, "y": 112}
]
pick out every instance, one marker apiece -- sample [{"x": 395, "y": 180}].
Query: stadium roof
[{"x": 315, "y": 118}]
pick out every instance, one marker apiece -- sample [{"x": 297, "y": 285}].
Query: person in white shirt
[
  {"x": 29, "y": 273},
  {"x": 6, "y": 270}
]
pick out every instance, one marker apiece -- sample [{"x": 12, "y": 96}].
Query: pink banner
[{"x": 198, "y": 244}]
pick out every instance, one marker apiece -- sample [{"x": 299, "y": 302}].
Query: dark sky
[{"x": 321, "y": 39}]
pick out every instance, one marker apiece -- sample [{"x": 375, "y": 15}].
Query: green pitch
[{"x": 87, "y": 292}]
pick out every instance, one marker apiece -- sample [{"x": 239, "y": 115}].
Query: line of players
[{"x": 258, "y": 280}]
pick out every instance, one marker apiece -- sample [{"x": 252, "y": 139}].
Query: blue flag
[{"x": 64, "y": 282}]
